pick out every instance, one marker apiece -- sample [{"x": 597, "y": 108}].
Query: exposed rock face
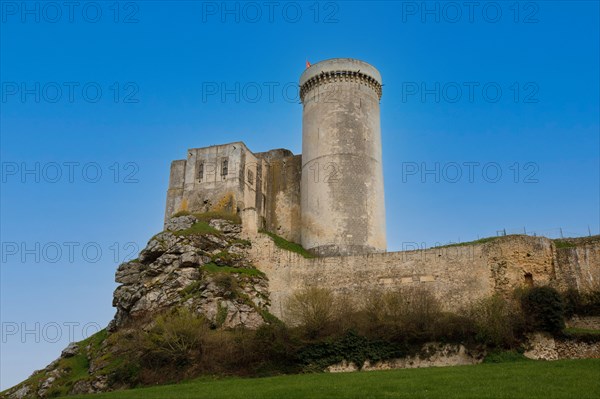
[
  {"x": 70, "y": 350},
  {"x": 205, "y": 270},
  {"x": 544, "y": 347},
  {"x": 432, "y": 355},
  {"x": 178, "y": 269},
  {"x": 20, "y": 393},
  {"x": 180, "y": 222},
  {"x": 541, "y": 347}
]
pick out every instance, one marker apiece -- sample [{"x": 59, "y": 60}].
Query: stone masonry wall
[
  {"x": 456, "y": 275},
  {"x": 578, "y": 265},
  {"x": 262, "y": 188},
  {"x": 282, "y": 211}
]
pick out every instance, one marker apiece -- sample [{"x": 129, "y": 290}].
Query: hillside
[
  {"x": 198, "y": 300},
  {"x": 196, "y": 267}
]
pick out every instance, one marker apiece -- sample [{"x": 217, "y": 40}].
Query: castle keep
[{"x": 330, "y": 199}]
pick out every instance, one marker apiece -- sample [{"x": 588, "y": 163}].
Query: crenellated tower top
[{"x": 338, "y": 70}]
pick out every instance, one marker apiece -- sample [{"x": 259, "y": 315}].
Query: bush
[
  {"x": 581, "y": 303},
  {"x": 422, "y": 310},
  {"x": 592, "y": 302},
  {"x": 498, "y": 321},
  {"x": 406, "y": 314},
  {"x": 452, "y": 328},
  {"x": 227, "y": 284},
  {"x": 572, "y": 302},
  {"x": 227, "y": 352},
  {"x": 351, "y": 347},
  {"x": 277, "y": 347},
  {"x": 312, "y": 309},
  {"x": 175, "y": 338},
  {"x": 126, "y": 373},
  {"x": 543, "y": 308}
]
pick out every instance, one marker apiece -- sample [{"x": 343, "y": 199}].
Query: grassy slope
[
  {"x": 288, "y": 245},
  {"x": 526, "y": 379}
]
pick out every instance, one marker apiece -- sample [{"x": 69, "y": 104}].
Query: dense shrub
[
  {"x": 227, "y": 284},
  {"x": 159, "y": 353},
  {"x": 381, "y": 314},
  {"x": 312, "y": 309},
  {"x": 543, "y": 309},
  {"x": 277, "y": 346},
  {"x": 572, "y": 302},
  {"x": 351, "y": 347},
  {"x": 592, "y": 302},
  {"x": 581, "y": 303},
  {"x": 421, "y": 311},
  {"x": 228, "y": 352},
  {"x": 498, "y": 321},
  {"x": 452, "y": 328},
  {"x": 409, "y": 314},
  {"x": 175, "y": 338}
]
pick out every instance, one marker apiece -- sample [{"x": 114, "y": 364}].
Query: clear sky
[{"x": 489, "y": 116}]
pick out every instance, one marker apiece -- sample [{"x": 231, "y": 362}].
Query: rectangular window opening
[
  {"x": 224, "y": 168},
  {"x": 200, "y": 171}
]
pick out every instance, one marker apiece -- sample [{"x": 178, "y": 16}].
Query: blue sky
[{"x": 490, "y": 121}]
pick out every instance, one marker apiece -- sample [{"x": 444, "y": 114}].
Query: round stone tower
[{"x": 342, "y": 202}]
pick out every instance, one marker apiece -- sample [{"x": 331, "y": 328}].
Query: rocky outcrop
[
  {"x": 185, "y": 267},
  {"x": 431, "y": 355},
  {"x": 198, "y": 265},
  {"x": 178, "y": 223},
  {"x": 541, "y": 346},
  {"x": 55, "y": 379}
]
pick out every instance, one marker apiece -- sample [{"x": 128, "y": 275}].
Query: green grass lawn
[{"x": 525, "y": 379}]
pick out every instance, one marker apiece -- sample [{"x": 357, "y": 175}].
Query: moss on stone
[
  {"x": 199, "y": 228},
  {"x": 288, "y": 245},
  {"x": 214, "y": 268},
  {"x": 208, "y": 216},
  {"x": 564, "y": 244}
]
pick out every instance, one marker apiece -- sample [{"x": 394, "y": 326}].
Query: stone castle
[{"x": 330, "y": 198}]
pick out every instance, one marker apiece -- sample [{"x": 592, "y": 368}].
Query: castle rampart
[{"x": 457, "y": 275}]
